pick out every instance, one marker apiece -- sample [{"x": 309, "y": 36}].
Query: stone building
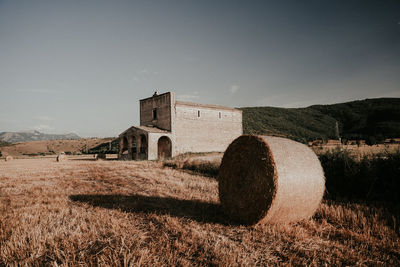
[{"x": 169, "y": 127}]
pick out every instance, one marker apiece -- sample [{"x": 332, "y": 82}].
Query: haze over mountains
[{"x": 26, "y": 136}]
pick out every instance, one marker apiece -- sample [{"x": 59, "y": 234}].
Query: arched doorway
[
  {"x": 123, "y": 150},
  {"x": 124, "y": 144},
  {"x": 164, "y": 147},
  {"x": 143, "y": 145},
  {"x": 133, "y": 147}
]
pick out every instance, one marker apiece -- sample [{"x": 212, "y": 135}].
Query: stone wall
[
  {"x": 153, "y": 144},
  {"x": 141, "y": 144},
  {"x": 205, "y": 128},
  {"x": 163, "y": 104}
]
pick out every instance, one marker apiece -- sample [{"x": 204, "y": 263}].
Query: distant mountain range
[
  {"x": 16, "y": 137},
  {"x": 369, "y": 119}
]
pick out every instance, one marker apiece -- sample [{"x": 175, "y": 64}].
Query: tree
[{"x": 370, "y": 140}]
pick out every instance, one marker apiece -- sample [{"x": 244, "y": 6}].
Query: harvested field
[
  {"x": 50, "y": 147},
  {"x": 86, "y": 212},
  {"x": 360, "y": 151}
]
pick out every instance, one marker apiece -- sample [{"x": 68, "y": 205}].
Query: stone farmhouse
[{"x": 169, "y": 127}]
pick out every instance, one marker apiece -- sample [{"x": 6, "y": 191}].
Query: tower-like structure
[{"x": 169, "y": 127}]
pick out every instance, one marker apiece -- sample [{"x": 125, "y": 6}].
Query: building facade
[{"x": 169, "y": 127}]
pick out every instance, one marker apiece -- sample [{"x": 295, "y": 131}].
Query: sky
[{"x": 82, "y": 66}]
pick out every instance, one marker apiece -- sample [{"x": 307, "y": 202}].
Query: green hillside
[
  {"x": 3, "y": 143},
  {"x": 370, "y": 119},
  {"x": 110, "y": 147}
]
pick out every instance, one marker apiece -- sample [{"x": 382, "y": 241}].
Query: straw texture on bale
[
  {"x": 265, "y": 179},
  {"x": 9, "y": 158},
  {"x": 61, "y": 157}
]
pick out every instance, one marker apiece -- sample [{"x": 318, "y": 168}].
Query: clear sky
[{"x": 81, "y": 66}]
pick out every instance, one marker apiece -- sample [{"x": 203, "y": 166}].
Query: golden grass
[
  {"x": 85, "y": 212},
  {"x": 50, "y": 146},
  {"x": 197, "y": 163},
  {"x": 360, "y": 151}
]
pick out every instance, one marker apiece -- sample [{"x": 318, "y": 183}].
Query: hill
[
  {"x": 49, "y": 147},
  {"x": 371, "y": 119},
  {"x": 2, "y": 143},
  {"x": 16, "y": 137},
  {"x": 109, "y": 146}
]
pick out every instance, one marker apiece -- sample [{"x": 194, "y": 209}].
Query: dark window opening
[
  {"x": 154, "y": 113},
  {"x": 198, "y": 113}
]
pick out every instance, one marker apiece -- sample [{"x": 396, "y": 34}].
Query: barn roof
[
  {"x": 193, "y": 104},
  {"x": 149, "y": 129}
]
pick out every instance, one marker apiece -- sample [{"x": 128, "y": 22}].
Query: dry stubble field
[{"x": 140, "y": 213}]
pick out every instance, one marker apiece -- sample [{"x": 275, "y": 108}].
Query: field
[
  {"x": 50, "y": 147},
  {"x": 362, "y": 150},
  {"x": 85, "y": 212}
]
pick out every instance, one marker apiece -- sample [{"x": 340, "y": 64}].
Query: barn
[{"x": 169, "y": 127}]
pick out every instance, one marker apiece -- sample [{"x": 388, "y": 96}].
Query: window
[
  {"x": 198, "y": 113},
  {"x": 219, "y": 115},
  {"x": 154, "y": 114}
]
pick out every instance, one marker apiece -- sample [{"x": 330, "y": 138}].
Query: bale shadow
[{"x": 193, "y": 209}]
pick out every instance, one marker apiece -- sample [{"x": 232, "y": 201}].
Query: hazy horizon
[{"x": 81, "y": 67}]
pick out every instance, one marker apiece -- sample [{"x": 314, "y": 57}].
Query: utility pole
[{"x": 337, "y": 132}]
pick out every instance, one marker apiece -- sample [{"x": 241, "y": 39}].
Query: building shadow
[{"x": 193, "y": 209}]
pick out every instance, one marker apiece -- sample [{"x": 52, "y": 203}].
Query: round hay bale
[
  {"x": 265, "y": 179},
  {"x": 9, "y": 158},
  {"x": 100, "y": 156},
  {"x": 61, "y": 157}
]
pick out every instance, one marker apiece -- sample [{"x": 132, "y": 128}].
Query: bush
[
  {"x": 370, "y": 178},
  {"x": 206, "y": 168},
  {"x": 370, "y": 140}
]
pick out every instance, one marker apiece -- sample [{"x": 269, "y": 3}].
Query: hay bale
[
  {"x": 265, "y": 179},
  {"x": 100, "y": 156},
  {"x": 61, "y": 157},
  {"x": 9, "y": 158}
]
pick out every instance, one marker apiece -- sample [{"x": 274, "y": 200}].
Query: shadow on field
[{"x": 192, "y": 209}]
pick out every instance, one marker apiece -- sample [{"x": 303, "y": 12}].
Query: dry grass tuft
[
  {"x": 206, "y": 164},
  {"x": 82, "y": 212}
]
